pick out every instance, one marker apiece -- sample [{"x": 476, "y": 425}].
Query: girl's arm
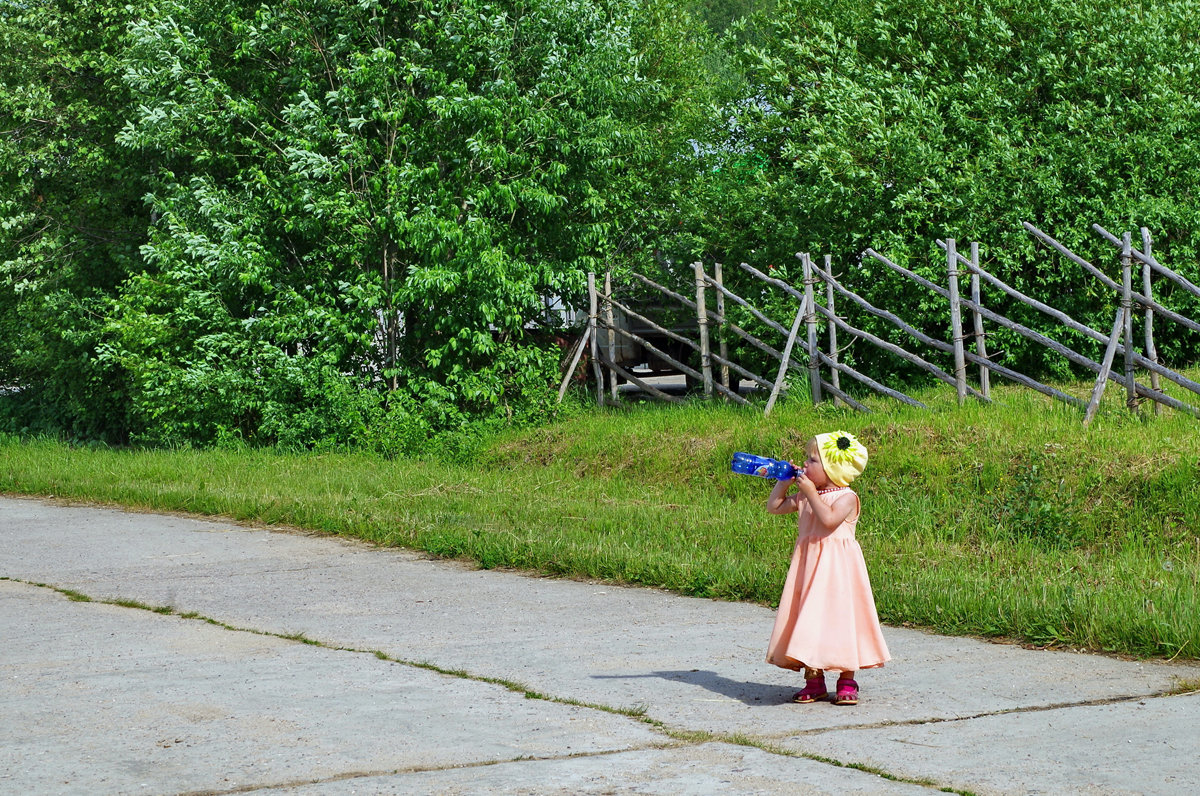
[
  {"x": 780, "y": 502},
  {"x": 829, "y": 516}
]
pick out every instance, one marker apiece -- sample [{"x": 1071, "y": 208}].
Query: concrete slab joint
[{"x": 163, "y": 654}]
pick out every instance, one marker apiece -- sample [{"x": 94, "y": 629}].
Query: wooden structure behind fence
[{"x": 967, "y": 344}]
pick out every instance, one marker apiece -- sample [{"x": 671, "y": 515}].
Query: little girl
[{"x": 826, "y": 617}]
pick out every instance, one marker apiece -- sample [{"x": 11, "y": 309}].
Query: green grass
[{"x": 1007, "y": 521}]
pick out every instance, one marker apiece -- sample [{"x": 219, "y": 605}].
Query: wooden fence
[{"x": 612, "y": 322}]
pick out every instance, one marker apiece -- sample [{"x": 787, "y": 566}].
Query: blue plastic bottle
[{"x": 761, "y": 466}]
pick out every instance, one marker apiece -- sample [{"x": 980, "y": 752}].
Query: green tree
[
  {"x": 891, "y": 124},
  {"x": 381, "y": 195},
  {"x": 71, "y": 213}
]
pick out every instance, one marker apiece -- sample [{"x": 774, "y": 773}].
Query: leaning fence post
[
  {"x": 702, "y": 316},
  {"x": 786, "y": 358},
  {"x": 593, "y": 308},
  {"x": 833, "y": 346},
  {"x": 814, "y": 362},
  {"x": 960, "y": 362},
  {"x": 1110, "y": 353},
  {"x": 1148, "y": 323},
  {"x": 612, "y": 333},
  {"x": 980, "y": 339},
  {"x": 1131, "y": 399},
  {"x": 577, "y": 352}
]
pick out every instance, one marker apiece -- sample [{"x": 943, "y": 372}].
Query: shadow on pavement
[{"x": 746, "y": 693}]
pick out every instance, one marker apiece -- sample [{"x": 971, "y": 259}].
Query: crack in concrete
[
  {"x": 680, "y": 737},
  {"x": 395, "y": 772},
  {"x": 950, "y": 719}
]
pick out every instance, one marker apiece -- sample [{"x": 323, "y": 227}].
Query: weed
[
  {"x": 1184, "y": 685},
  {"x": 1039, "y": 508}
]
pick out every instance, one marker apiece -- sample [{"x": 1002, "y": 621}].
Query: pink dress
[{"x": 826, "y": 617}]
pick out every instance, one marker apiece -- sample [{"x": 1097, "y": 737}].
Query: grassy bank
[{"x": 1009, "y": 521}]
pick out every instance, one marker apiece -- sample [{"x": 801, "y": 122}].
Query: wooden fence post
[
  {"x": 733, "y": 327},
  {"x": 960, "y": 362},
  {"x": 612, "y": 334},
  {"x": 1157, "y": 396},
  {"x": 575, "y": 356},
  {"x": 1131, "y": 399},
  {"x": 1096, "y": 272},
  {"x": 1110, "y": 353},
  {"x": 593, "y": 308},
  {"x": 1158, "y": 268},
  {"x": 787, "y": 354},
  {"x": 1148, "y": 322},
  {"x": 980, "y": 340},
  {"x": 702, "y": 316},
  {"x": 686, "y": 342},
  {"x": 814, "y": 361},
  {"x": 833, "y": 346},
  {"x": 722, "y": 344}
]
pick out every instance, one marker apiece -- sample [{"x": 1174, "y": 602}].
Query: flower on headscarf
[
  {"x": 843, "y": 456},
  {"x": 838, "y": 447}
]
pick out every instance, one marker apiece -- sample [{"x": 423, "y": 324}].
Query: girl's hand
[{"x": 807, "y": 487}]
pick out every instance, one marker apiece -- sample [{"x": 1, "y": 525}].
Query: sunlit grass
[{"x": 1009, "y": 520}]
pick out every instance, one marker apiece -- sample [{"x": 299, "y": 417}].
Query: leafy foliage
[
  {"x": 378, "y": 194},
  {"x": 892, "y": 124},
  {"x": 71, "y": 214},
  {"x": 338, "y": 224}
]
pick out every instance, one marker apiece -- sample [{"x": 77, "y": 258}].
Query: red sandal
[
  {"x": 814, "y": 690},
  {"x": 847, "y": 693}
]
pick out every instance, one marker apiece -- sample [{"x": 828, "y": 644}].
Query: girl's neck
[{"x": 830, "y": 488}]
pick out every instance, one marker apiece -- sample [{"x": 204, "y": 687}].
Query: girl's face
[{"x": 813, "y": 467}]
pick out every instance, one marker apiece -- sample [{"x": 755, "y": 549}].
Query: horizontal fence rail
[{"x": 620, "y": 337}]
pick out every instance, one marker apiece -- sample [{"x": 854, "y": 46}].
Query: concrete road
[{"x": 156, "y": 654}]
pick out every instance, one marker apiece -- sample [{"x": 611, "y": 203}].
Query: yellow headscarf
[{"x": 843, "y": 457}]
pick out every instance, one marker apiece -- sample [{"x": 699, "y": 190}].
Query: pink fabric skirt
[{"x": 827, "y": 617}]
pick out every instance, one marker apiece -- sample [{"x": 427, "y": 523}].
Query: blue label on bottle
[{"x": 763, "y": 467}]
